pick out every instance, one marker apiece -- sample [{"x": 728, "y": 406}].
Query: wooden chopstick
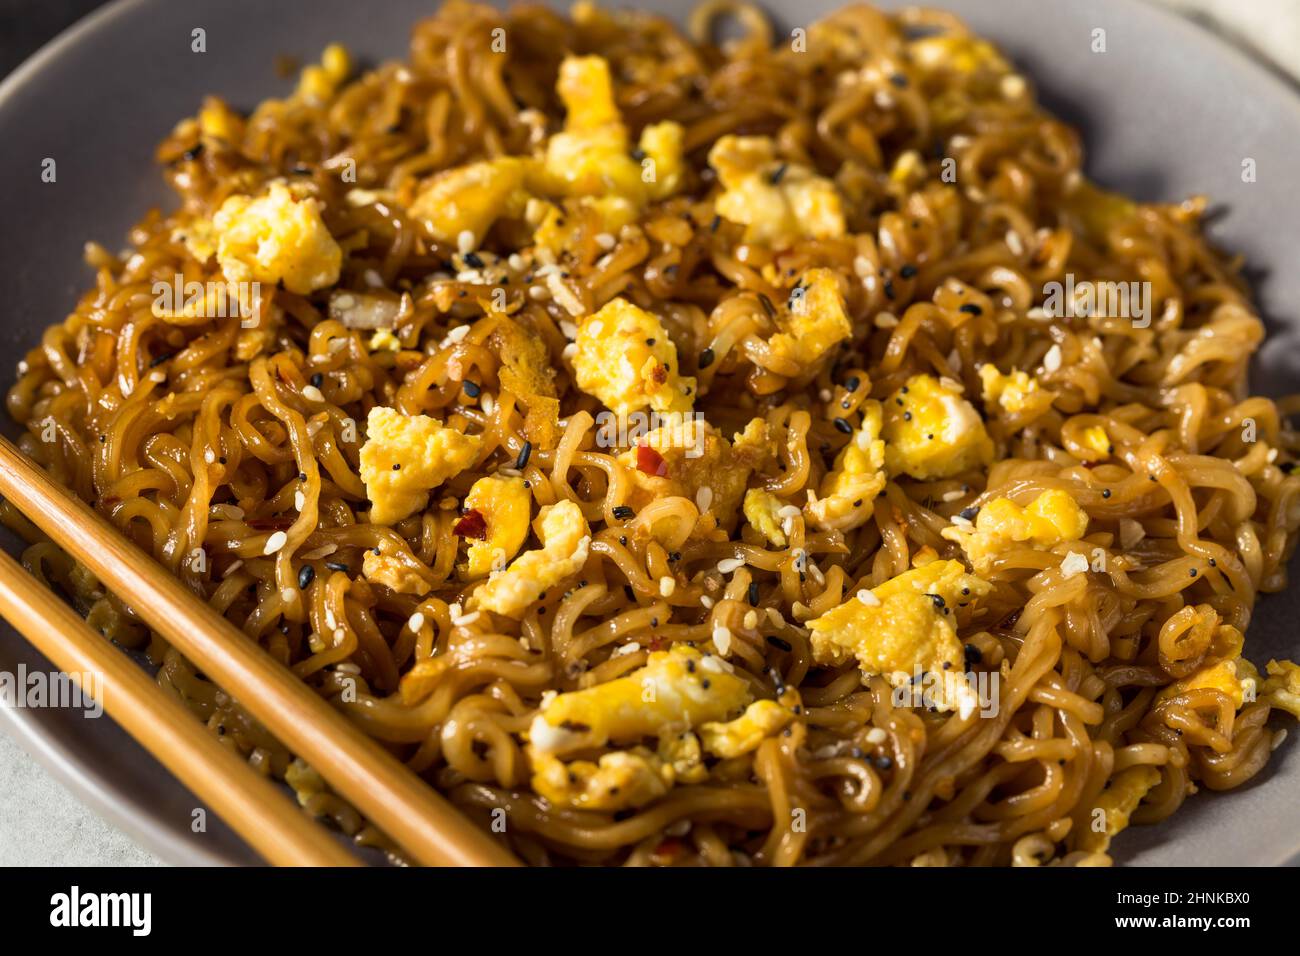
[
  {"x": 260, "y": 813},
  {"x": 401, "y": 804}
]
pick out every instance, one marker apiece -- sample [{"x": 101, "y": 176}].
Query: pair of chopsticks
[{"x": 382, "y": 788}]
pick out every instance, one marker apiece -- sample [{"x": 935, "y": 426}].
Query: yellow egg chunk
[
  {"x": 904, "y": 628},
  {"x": 565, "y": 538},
  {"x": 682, "y": 752},
  {"x": 405, "y": 456},
  {"x": 1098, "y": 443},
  {"x": 471, "y": 198},
  {"x": 591, "y": 156},
  {"x": 557, "y": 229},
  {"x": 814, "y": 321},
  {"x": 676, "y": 690},
  {"x": 761, "y": 510},
  {"x": 1051, "y": 519},
  {"x": 1016, "y": 393},
  {"x": 506, "y": 505},
  {"x": 761, "y": 720},
  {"x": 1121, "y": 797},
  {"x": 626, "y": 360},
  {"x": 618, "y": 781},
  {"x": 856, "y": 478},
  {"x": 394, "y": 574},
  {"x": 1227, "y": 677},
  {"x": 1282, "y": 686},
  {"x": 276, "y": 238},
  {"x": 778, "y": 203},
  {"x": 694, "y": 458},
  {"x": 932, "y": 432}
]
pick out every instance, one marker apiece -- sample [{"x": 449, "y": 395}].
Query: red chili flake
[
  {"x": 471, "y": 525},
  {"x": 649, "y": 461},
  {"x": 669, "y": 847},
  {"x": 657, "y": 644}
]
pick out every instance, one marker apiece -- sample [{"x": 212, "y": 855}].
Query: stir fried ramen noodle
[{"x": 693, "y": 454}]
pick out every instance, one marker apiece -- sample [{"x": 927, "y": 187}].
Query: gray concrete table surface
[{"x": 41, "y": 823}]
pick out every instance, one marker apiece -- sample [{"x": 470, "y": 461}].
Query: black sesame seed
[
  {"x": 472, "y": 260},
  {"x": 336, "y": 565},
  {"x": 899, "y": 80},
  {"x": 1105, "y": 492},
  {"x": 842, "y": 424},
  {"x": 780, "y": 644},
  {"x": 969, "y": 513},
  {"x": 471, "y": 388},
  {"x": 713, "y": 226},
  {"x": 706, "y": 358},
  {"x": 1191, "y": 572},
  {"x": 778, "y": 174},
  {"x": 767, "y": 305},
  {"x": 907, "y": 416},
  {"x": 907, "y": 271},
  {"x": 397, "y": 466},
  {"x": 971, "y": 309},
  {"x": 889, "y": 289},
  {"x": 973, "y": 655},
  {"x": 305, "y": 576},
  {"x": 522, "y": 461},
  {"x": 753, "y": 593},
  {"x": 317, "y": 379},
  {"x": 624, "y": 512},
  {"x": 852, "y": 382}
]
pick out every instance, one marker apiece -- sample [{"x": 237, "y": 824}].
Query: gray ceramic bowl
[{"x": 1168, "y": 111}]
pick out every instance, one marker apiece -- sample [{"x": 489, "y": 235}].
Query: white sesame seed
[
  {"x": 465, "y": 620},
  {"x": 538, "y": 293},
  {"x": 667, "y": 585},
  {"x": 1052, "y": 360},
  {"x": 706, "y": 601},
  {"x": 275, "y": 542},
  {"x": 862, "y": 267},
  {"x": 570, "y": 351},
  {"x": 1075, "y": 563},
  {"x": 728, "y": 565},
  {"x": 886, "y": 320},
  {"x": 288, "y": 594},
  {"x": 722, "y": 638},
  {"x": 330, "y": 620},
  {"x": 209, "y": 455},
  {"x": 564, "y": 295},
  {"x": 489, "y": 403},
  {"x": 789, "y": 511},
  {"x": 751, "y": 619},
  {"x": 299, "y": 500},
  {"x": 415, "y": 621},
  {"x": 1014, "y": 243},
  {"x": 606, "y": 241},
  {"x": 569, "y": 329},
  {"x": 775, "y": 617},
  {"x": 232, "y": 569},
  {"x": 877, "y": 735},
  {"x": 312, "y": 394},
  {"x": 704, "y": 498},
  {"x": 465, "y": 242},
  {"x": 955, "y": 495},
  {"x": 867, "y": 598},
  {"x": 631, "y": 647},
  {"x": 458, "y": 333}
]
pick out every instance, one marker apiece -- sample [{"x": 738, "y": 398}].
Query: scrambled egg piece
[
  {"x": 1282, "y": 686},
  {"x": 1016, "y": 393},
  {"x": 1050, "y": 519},
  {"x": 471, "y": 198},
  {"x": 1098, "y": 442},
  {"x": 393, "y": 573},
  {"x": 384, "y": 341},
  {"x": 556, "y": 228},
  {"x": 761, "y": 510},
  {"x": 932, "y": 432},
  {"x": 761, "y": 720},
  {"x": 949, "y": 53},
  {"x": 676, "y": 690},
  {"x": 620, "y": 780},
  {"x": 1222, "y": 676},
  {"x": 565, "y": 538},
  {"x": 905, "y": 628},
  {"x": 695, "y": 457},
  {"x": 404, "y": 456},
  {"x": 856, "y": 478},
  {"x": 684, "y": 754},
  {"x": 814, "y": 321},
  {"x": 626, "y": 360},
  {"x": 778, "y": 203},
  {"x": 276, "y": 238},
  {"x": 218, "y": 120},
  {"x": 591, "y": 157},
  {"x": 319, "y": 83},
  {"x": 505, "y": 504},
  {"x": 1118, "y": 801}
]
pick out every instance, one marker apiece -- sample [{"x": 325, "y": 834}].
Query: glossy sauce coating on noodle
[{"x": 961, "y": 202}]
